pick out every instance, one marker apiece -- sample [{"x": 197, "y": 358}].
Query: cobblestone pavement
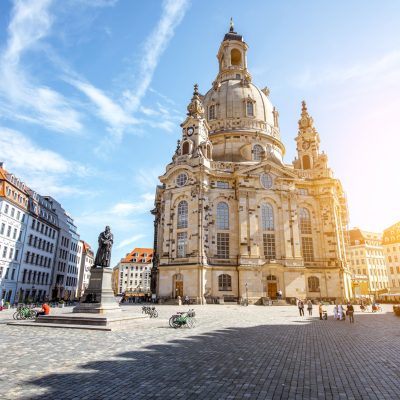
[{"x": 234, "y": 353}]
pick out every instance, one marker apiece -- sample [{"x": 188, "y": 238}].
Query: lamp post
[{"x": 247, "y": 295}]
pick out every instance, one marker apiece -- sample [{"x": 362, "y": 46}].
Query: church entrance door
[
  {"x": 272, "y": 289},
  {"x": 178, "y": 288}
]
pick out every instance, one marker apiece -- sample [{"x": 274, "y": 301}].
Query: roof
[
  {"x": 392, "y": 234},
  {"x": 137, "y": 255},
  {"x": 358, "y": 236}
]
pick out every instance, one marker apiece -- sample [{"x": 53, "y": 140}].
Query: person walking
[
  {"x": 320, "y": 310},
  {"x": 335, "y": 312},
  {"x": 300, "y": 305},
  {"x": 350, "y": 312},
  {"x": 309, "y": 307},
  {"x": 340, "y": 312}
]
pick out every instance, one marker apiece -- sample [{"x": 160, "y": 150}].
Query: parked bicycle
[
  {"x": 24, "y": 313},
  {"x": 151, "y": 311},
  {"x": 182, "y": 318}
]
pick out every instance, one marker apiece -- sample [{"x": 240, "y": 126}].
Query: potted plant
[{"x": 61, "y": 304}]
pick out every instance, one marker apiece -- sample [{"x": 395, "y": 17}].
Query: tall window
[
  {"x": 313, "y": 284},
  {"x": 222, "y": 216},
  {"x": 267, "y": 217},
  {"x": 224, "y": 282},
  {"x": 305, "y": 221},
  {"x": 211, "y": 112},
  {"x": 257, "y": 152},
  {"x": 269, "y": 246},
  {"x": 250, "y": 109},
  {"x": 182, "y": 215},
  {"x": 181, "y": 244},
  {"x": 307, "y": 248},
  {"x": 223, "y": 245}
]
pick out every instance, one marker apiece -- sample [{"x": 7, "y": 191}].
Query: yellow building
[
  {"x": 233, "y": 221},
  {"x": 391, "y": 245}
]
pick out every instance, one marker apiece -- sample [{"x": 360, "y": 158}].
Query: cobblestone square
[{"x": 234, "y": 353}]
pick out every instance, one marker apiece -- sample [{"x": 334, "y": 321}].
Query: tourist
[
  {"x": 186, "y": 301},
  {"x": 279, "y": 294},
  {"x": 340, "y": 313},
  {"x": 300, "y": 305},
  {"x": 335, "y": 312},
  {"x": 350, "y": 312},
  {"x": 309, "y": 307},
  {"x": 45, "y": 310}
]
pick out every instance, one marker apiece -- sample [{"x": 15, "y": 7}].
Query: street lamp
[{"x": 247, "y": 295}]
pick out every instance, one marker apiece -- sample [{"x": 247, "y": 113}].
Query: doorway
[
  {"x": 272, "y": 288},
  {"x": 179, "y": 289}
]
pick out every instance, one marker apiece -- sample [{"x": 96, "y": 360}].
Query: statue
[{"x": 103, "y": 255}]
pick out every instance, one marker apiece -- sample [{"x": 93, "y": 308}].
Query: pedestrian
[
  {"x": 300, "y": 305},
  {"x": 280, "y": 294},
  {"x": 335, "y": 312},
  {"x": 320, "y": 310},
  {"x": 309, "y": 307},
  {"x": 187, "y": 300},
  {"x": 340, "y": 312},
  {"x": 350, "y": 313}
]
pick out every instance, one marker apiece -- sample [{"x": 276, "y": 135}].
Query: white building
[
  {"x": 134, "y": 272},
  {"x": 85, "y": 259},
  {"x": 39, "y": 250}
]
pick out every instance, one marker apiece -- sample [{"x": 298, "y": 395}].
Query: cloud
[
  {"x": 43, "y": 169},
  {"x": 155, "y": 45},
  {"x": 129, "y": 241},
  {"x": 30, "y": 23}
]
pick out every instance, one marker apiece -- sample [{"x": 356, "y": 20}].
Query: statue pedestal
[{"x": 99, "y": 297}]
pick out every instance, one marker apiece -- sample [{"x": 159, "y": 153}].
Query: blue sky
[{"x": 92, "y": 93}]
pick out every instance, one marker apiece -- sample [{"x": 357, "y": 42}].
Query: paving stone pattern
[{"x": 234, "y": 353}]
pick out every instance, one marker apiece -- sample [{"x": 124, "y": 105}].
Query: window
[
  {"x": 6, "y": 209},
  {"x": 222, "y": 185},
  {"x": 181, "y": 244},
  {"x": 185, "y": 148},
  {"x": 267, "y": 217},
  {"x": 313, "y": 284},
  {"x": 307, "y": 249},
  {"x": 223, "y": 245},
  {"x": 222, "y": 216},
  {"x": 250, "y": 109},
  {"x": 3, "y": 226},
  {"x": 257, "y": 152},
  {"x": 303, "y": 192},
  {"x": 266, "y": 181},
  {"x": 181, "y": 179},
  {"x": 182, "y": 215},
  {"x": 12, "y": 212},
  {"x": 8, "y": 231},
  {"x": 211, "y": 112},
  {"x": 225, "y": 282},
  {"x": 269, "y": 246},
  {"x": 305, "y": 221},
  {"x": 236, "y": 57},
  {"x": 5, "y": 251},
  {"x": 306, "y": 162},
  {"x": 15, "y": 233}
]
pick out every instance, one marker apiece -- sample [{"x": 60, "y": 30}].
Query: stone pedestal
[{"x": 99, "y": 297}]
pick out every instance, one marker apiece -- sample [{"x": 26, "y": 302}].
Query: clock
[
  {"x": 190, "y": 131},
  {"x": 306, "y": 145}
]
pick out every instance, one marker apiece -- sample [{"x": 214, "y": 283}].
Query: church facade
[{"x": 232, "y": 220}]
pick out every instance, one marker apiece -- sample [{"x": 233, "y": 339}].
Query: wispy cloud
[
  {"x": 30, "y": 23},
  {"x": 44, "y": 170},
  {"x": 155, "y": 45},
  {"x": 129, "y": 241}
]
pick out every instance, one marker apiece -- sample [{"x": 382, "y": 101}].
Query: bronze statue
[{"x": 103, "y": 255}]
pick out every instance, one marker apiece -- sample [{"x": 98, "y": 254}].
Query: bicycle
[
  {"x": 153, "y": 313},
  {"x": 183, "y": 319},
  {"x": 24, "y": 313}
]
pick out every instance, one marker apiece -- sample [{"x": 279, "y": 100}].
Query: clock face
[
  {"x": 190, "y": 131},
  {"x": 306, "y": 145}
]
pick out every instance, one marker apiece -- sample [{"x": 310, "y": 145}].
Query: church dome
[{"x": 235, "y": 105}]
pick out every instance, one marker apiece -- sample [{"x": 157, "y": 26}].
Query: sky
[{"x": 92, "y": 93}]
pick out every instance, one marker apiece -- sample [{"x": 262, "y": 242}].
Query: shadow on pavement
[{"x": 315, "y": 359}]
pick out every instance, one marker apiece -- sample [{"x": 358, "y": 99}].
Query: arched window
[
  {"x": 250, "y": 109},
  {"x": 306, "y": 162},
  {"x": 222, "y": 216},
  {"x": 182, "y": 215},
  {"x": 305, "y": 221},
  {"x": 211, "y": 112},
  {"x": 267, "y": 217},
  {"x": 185, "y": 148},
  {"x": 257, "y": 152},
  {"x": 224, "y": 282},
  {"x": 236, "y": 57},
  {"x": 313, "y": 284}
]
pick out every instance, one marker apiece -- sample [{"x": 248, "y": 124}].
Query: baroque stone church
[{"x": 232, "y": 220}]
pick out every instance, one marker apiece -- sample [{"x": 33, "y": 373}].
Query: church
[{"x": 233, "y": 221}]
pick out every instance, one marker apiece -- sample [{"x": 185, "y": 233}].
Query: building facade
[
  {"x": 86, "y": 260},
  {"x": 232, "y": 219},
  {"x": 391, "y": 245},
  {"x": 134, "y": 272},
  {"x": 367, "y": 260}
]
